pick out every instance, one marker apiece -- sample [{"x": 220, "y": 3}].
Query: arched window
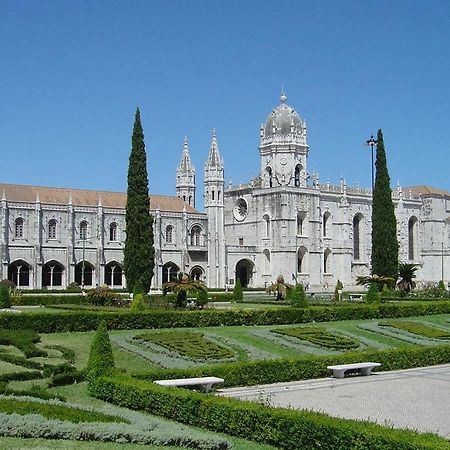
[
  {"x": 19, "y": 273},
  {"x": 297, "y": 175},
  {"x": 85, "y": 278},
  {"x": 195, "y": 235},
  {"x": 325, "y": 223},
  {"x": 266, "y": 220},
  {"x": 113, "y": 232},
  {"x": 52, "y": 229},
  {"x": 357, "y": 237},
  {"x": 52, "y": 274},
  {"x": 18, "y": 228},
  {"x": 412, "y": 238},
  {"x": 326, "y": 261},
  {"x": 269, "y": 174},
  {"x": 169, "y": 234},
  {"x": 113, "y": 274},
  {"x": 83, "y": 230},
  {"x": 301, "y": 260},
  {"x": 212, "y": 195},
  {"x": 300, "y": 223}
]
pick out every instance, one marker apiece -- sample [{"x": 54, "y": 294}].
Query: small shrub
[
  {"x": 24, "y": 340},
  {"x": 5, "y": 299},
  {"x": 102, "y": 296},
  {"x": 373, "y": 294},
  {"x": 238, "y": 294},
  {"x": 201, "y": 299},
  {"x": 297, "y": 296},
  {"x": 339, "y": 287},
  {"x": 139, "y": 303},
  {"x": 73, "y": 287},
  {"x": 101, "y": 360}
]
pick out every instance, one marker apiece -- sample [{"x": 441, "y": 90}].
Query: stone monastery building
[{"x": 282, "y": 222}]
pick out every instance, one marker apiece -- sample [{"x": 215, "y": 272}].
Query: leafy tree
[
  {"x": 384, "y": 223},
  {"x": 238, "y": 295},
  {"x": 139, "y": 252},
  {"x": 181, "y": 287},
  {"x": 202, "y": 298},
  {"x": 101, "y": 360},
  {"x": 297, "y": 296},
  {"x": 280, "y": 287},
  {"x": 407, "y": 273}
]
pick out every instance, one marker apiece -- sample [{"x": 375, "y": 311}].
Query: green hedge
[
  {"x": 35, "y": 300},
  {"x": 125, "y": 319},
  {"x": 283, "y": 428},
  {"x": 283, "y": 370}
]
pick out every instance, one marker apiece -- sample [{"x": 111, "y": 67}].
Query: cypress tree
[
  {"x": 139, "y": 252},
  {"x": 384, "y": 223}
]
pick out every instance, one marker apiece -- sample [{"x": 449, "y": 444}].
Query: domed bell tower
[{"x": 283, "y": 148}]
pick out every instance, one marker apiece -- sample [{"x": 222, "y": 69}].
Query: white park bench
[
  {"x": 364, "y": 367},
  {"x": 205, "y": 383}
]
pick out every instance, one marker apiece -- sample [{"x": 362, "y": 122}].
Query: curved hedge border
[
  {"x": 283, "y": 428},
  {"x": 46, "y": 322},
  {"x": 304, "y": 368}
]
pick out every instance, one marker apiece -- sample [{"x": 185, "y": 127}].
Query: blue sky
[{"x": 73, "y": 73}]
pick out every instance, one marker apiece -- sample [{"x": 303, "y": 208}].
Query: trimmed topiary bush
[
  {"x": 238, "y": 294},
  {"x": 5, "y": 299},
  {"x": 101, "y": 360},
  {"x": 297, "y": 296},
  {"x": 373, "y": 295},
  {"x": 139, "y": 303}
]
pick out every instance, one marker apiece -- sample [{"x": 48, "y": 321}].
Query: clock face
[{"x": 240, "y": 209}]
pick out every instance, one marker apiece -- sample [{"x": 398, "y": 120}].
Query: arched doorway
[
  {"x": 244, "y": 272},
  {"x": 169, "y": 271},
  {"x": 113, "y": 274},
  {"x": 19, "y": 273},
  {"x": 197, "y": 273},
  {"x": 88, "y": 273},
  {"x": 52, "y": 274}
]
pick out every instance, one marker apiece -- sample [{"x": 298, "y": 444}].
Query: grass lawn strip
[
  {"x": 300, "y": 347},
  {"x": 418, "y": 328},
  {"x": 157, "y": 355},
  {"x": 320, "y": 336},
  {"x": 398, "y": 334},
  {"x": 244, "y": 350},
  {"x": 134, "y": 427},
  {"x": 193, "y": 345}
]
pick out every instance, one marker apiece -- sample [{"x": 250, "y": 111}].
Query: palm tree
[
  {"x": 280, "y": 287},
  {"x": 407, "y": 273},
  {"x": 379, "y": 280},
  {"x": 181, "y": 286}
]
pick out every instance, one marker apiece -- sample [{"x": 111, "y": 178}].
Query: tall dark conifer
[
  {"x": 139, "y": 252},
  {"x": 384, "y": 223}
]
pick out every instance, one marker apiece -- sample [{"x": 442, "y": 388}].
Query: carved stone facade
[{"x": 285, "y": 221}]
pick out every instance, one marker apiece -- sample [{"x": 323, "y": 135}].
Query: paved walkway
[{"x": 417, "y": 399}]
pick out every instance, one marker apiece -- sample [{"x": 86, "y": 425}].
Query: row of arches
[
  {"x": 53, "y": 230},
  {"x": 54, "y": 274}
]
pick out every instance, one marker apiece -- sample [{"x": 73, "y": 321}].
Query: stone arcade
[{"x": 282, "y": 222}]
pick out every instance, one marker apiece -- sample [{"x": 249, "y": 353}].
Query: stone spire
[
  {"x": 185, "y": 163},
  {"x": 185, "y": 183},
  {"x": 214, "y": 159}
]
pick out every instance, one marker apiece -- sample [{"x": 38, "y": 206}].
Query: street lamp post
[
  {"x": 82, "y": 264},
  {"x": 372, "y": 142}
]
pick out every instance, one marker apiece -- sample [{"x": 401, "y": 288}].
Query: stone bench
[
  {"x": 356, "y": 297},
  {"x": 205, "y": 383},
  {"x": 364, "y": 367}
]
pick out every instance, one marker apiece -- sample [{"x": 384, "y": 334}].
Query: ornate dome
[{"x": 282, "y": 121}]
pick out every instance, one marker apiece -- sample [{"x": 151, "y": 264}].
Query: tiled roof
[
  {"x": 426, "y": 190},
  {"x": 81, "y": 197}
]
